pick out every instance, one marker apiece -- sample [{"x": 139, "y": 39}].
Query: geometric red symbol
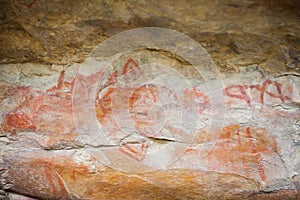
[{"x": 135, "y": 151}]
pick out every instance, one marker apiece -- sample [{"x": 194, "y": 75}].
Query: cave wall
[{"x": 151, "y": 124}]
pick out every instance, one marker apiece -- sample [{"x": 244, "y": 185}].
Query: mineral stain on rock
[{"x": 254, "y": 154}]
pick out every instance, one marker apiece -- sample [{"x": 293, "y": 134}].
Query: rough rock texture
[{"x": 46, "y": 153}]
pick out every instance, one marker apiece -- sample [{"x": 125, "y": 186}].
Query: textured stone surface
[
  {"x": 253, "y": 154},
  {"x": 234, "y": 33}
]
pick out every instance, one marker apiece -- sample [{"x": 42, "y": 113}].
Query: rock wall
[{"x": 151, "y": 123}]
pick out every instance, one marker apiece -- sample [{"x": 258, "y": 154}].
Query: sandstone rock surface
[{"x": 164, "y": 141}]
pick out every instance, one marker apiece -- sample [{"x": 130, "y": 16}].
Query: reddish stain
[
  {"x": 18, "y": 121},
  {"x": 135, "y": 151},
  {"x": 51, "y": 111},
  {"x": 31, "y": 3},
  {"x": 279, "y": 94},
  {"x": 103, "y": 109},
  {"x": 193, "y": 96},
  {"x": 17, "y": 93},
  {"x": 240, "y": 150},
  {"x": 141, "y": 103},
  {"x": 112, "y": 80},
  {"x": 145, "y": 97},
  {"x": 131, "y": 70},
  {"x": 44, "y": 112},
  {"x": 141, "y": 100},
  {"x": 240, "y": 91},
  {"x": 103, "y": 105},
  {"x": 48, "y": 179},
  {"x": 24, "y": 6}
]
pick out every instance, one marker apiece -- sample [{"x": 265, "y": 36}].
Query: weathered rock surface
[
  {"x": 148, "y": 112},
  {"x": 234, "y": 33}
]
